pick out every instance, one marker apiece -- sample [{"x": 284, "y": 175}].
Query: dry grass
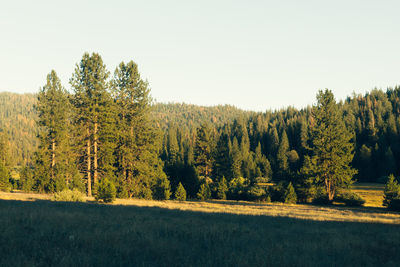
[{"x": 371, "y": 192}]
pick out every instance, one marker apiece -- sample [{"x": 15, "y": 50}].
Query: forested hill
[
  {"x": 17, "y": 119},
  {"x": 189, "y": 116},
  {"x": 373, "y": 118}
]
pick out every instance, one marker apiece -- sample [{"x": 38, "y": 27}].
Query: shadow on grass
[{"x": 46, "y": 233}]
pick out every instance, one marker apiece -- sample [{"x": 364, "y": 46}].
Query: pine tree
[
  {"x": 331, "y": 146},
  {"x": 281, "y": 157},
  {"x": 290, "y": 196},
  {"x": 204, "y": 192},
  {"x": 392, "y": 190},
  {"x": 222, "y": 162},
  {"x": 203, "y": 151},
  {"x": 91, "y": 101},
  {"x": 180, "y": 193},
  {"x": 236, "y": 159},
  {"x": 222, "y": 189},
  {"x": 139, "y": 165},
  {"x": 57, "y": 159},
  {"x": 162, "y": 190}
]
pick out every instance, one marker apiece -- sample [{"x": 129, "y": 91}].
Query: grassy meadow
[{"x": 37, "y": 232}]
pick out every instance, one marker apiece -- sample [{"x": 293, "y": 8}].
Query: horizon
[{"x": 244, "y": 109}]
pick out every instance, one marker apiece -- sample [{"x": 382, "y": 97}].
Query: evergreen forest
[{"x": 106, "y": 126}]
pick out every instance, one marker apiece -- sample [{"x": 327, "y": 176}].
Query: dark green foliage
[
  {"x": 373, "y": 117},
  {"x": 392, "y": 190},
  {"x": 349, "y": 199},
  {"x": 27, "y": 181},
  {"x": 331, "y": 147},
  {"x": 238, "y": 188},
  {"x": 54, "y": 164},
  {"x": 203, "y": 151},
  {"x": 4, "y": 178},
  {"x": 162, "y": 190},
  {"x": 282, "y": 158},
  {"x": 204, "y": 192},
  {"x": 256, "y": 193},
  {"x": 290, "y": 196},
  {"x": 222, "y": 188},
  {"x": 139, "y": 166},
  {"x": 106, "y": 191},
  {"x": 180, "y": 193}
]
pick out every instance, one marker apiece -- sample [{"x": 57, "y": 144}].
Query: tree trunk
[
  {"x": 89, "y": 180},
  {"x": 95, "y": 175},
  {"x": 53, "y": 156}
]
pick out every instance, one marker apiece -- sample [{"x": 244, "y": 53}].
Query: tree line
[{"x": 106, "y": 127}]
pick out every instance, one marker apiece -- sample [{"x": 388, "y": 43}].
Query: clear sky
[{"x": 256, "y": 55}]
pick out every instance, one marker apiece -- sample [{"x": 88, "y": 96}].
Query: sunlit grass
[
  {"x": 371, "y": 192},
  {"x": 374, "y": 212}
]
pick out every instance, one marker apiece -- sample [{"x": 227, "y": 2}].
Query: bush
[
  {"x": 106, "y": 191},
  {"x": 350, "y": 199},
  {"x": 290, "y": 196},
  {"x": 180, "y": 193},
  {"x": 69, "y": 196},
  {"x": 162, "y": 189},
  {"x": 204, "y": 192}
]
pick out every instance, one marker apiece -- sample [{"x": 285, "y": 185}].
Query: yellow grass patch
[
  {"x": 307, "y": 212},
  {"x": 371, "y": 192}
]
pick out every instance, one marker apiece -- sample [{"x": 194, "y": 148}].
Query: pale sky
[{"x": 256, "y": 55}]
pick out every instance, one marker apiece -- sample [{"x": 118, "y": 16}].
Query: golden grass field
[{"x": 372, "y": 212}]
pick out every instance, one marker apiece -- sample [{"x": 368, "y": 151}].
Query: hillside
[{"x": 17, "y": 119}]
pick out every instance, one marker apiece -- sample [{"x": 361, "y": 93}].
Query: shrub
[
  {"x": 69, "y": 196},
  {"x": 180, "y": 193},
  {"x": 290, "y": 196},
  {"x": 106, "y": 191},
  {"x": 162, "y": 189},
  {"x": 395, "y": 204},
  {"x": 256, "y": 193},
  {"x": 204, "y": 192},
  {"x": 350, "y": 199},
  {"x": 237, "y": 188},
  {"x": 392, "y": 191}
]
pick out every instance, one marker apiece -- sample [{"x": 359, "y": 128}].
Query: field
[{"x": 37, "y": 232}]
